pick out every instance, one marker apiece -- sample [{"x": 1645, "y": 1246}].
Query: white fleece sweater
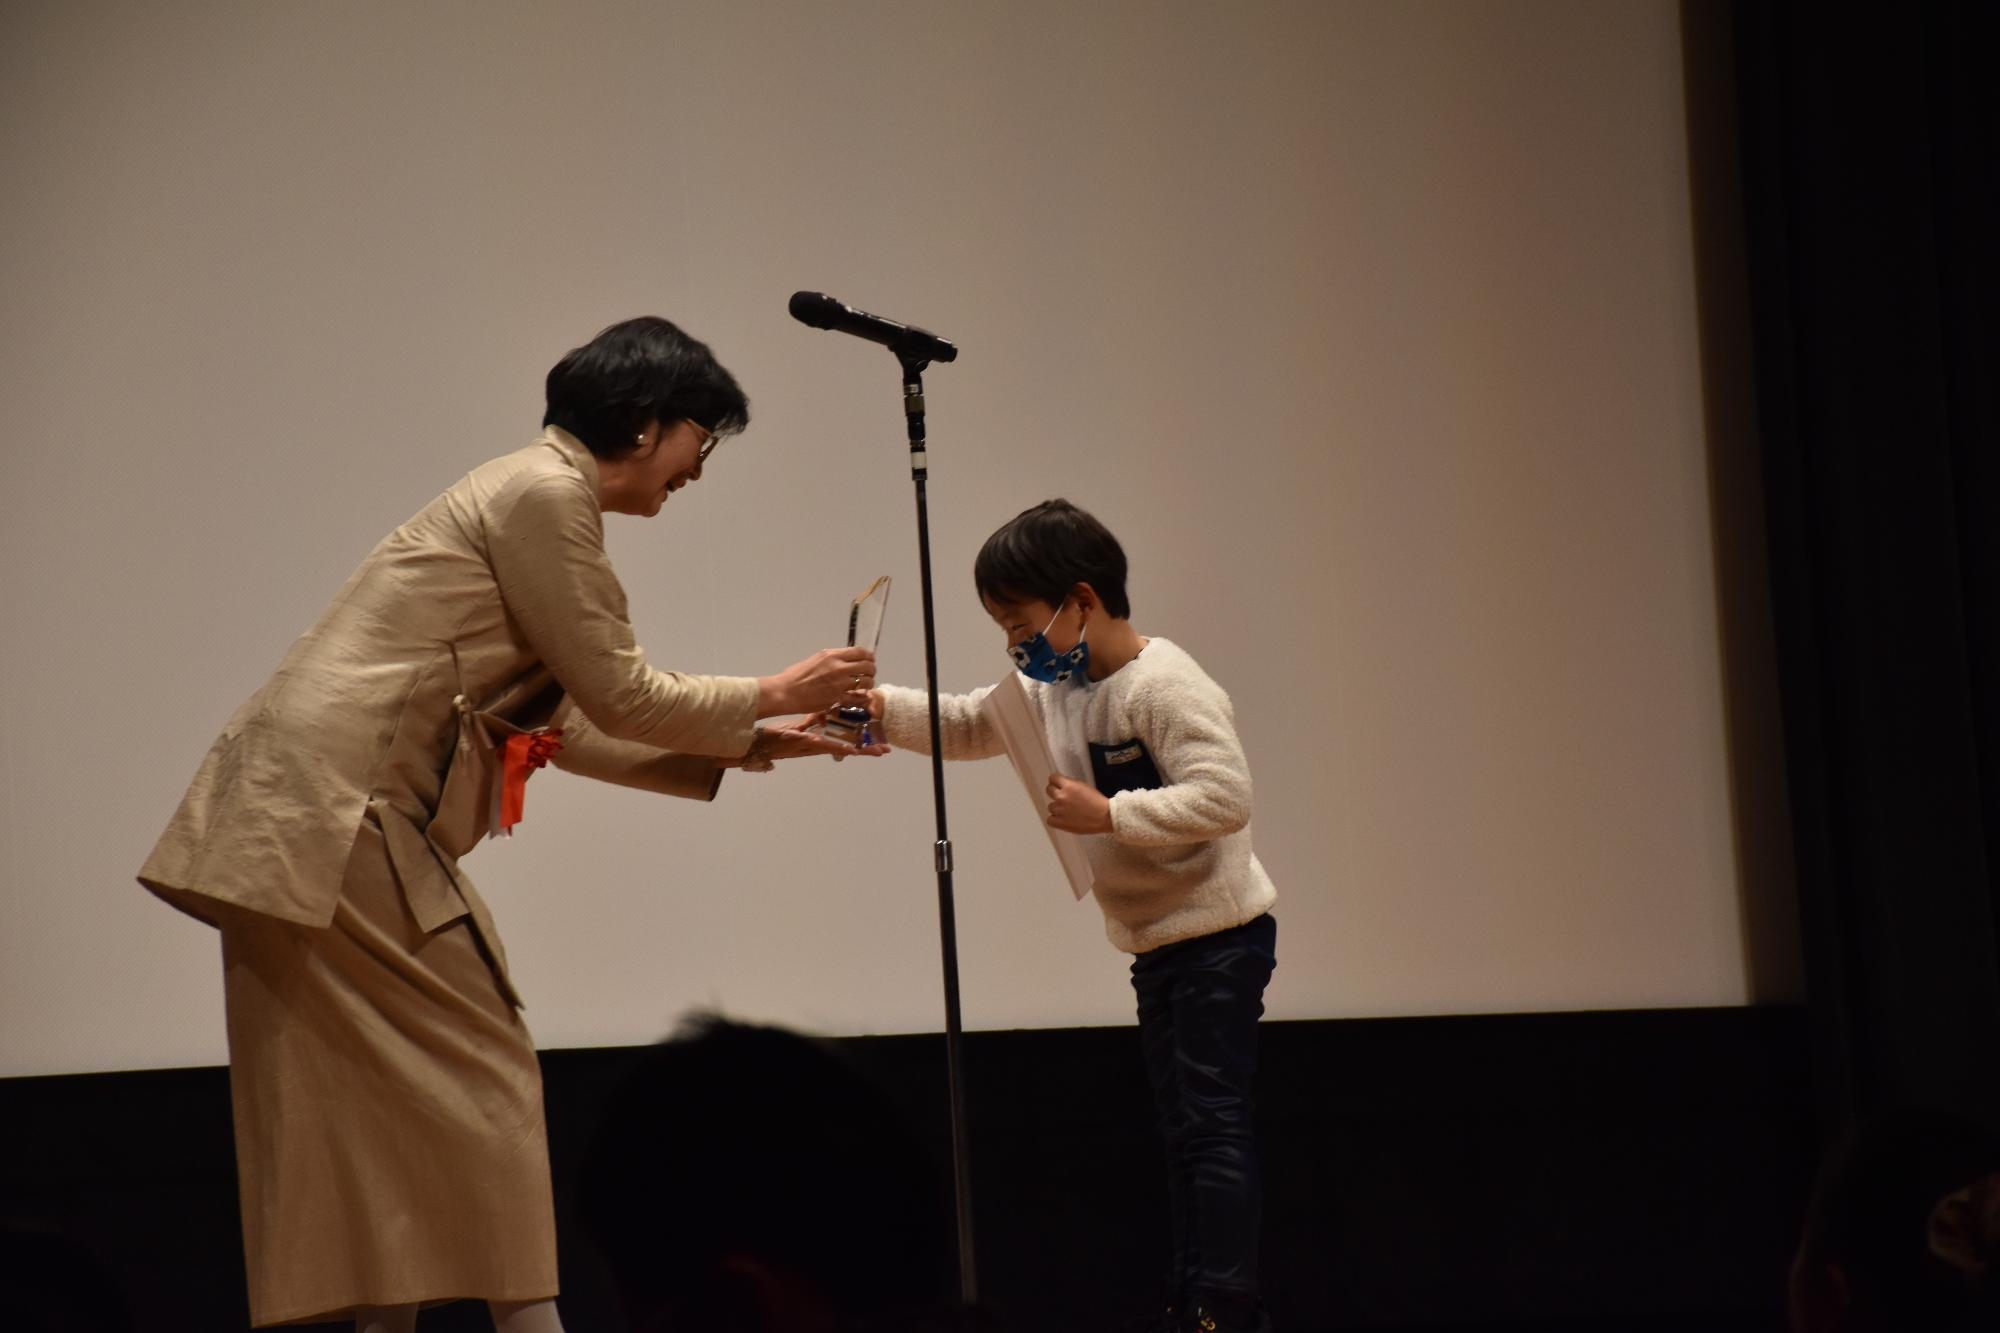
[{"x": 1160, "y": 735}]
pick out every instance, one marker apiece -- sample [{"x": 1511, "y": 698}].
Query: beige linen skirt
[{"x": 388, "y": 1106}]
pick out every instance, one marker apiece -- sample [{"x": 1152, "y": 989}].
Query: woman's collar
[{"x": 576, "y": 451}]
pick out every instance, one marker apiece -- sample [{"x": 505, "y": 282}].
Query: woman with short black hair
[{"x": 386, "y": 1094}]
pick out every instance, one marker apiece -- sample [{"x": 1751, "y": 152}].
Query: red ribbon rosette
[{"x": 520, "y": 755}]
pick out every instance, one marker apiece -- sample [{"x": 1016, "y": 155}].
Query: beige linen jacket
[{"x": 493, "y": 609}]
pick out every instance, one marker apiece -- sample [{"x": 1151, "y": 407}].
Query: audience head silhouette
[
  {"x": 748, "y": 1179},
  {"x": 1904, "y": 1232}
]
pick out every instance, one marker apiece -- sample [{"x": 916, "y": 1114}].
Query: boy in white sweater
[{"x": 1150, "y": 771}]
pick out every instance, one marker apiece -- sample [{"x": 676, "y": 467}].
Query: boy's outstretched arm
[
  {"x": 1192, "y": 736},
  {"x": 963, "y": 727}
]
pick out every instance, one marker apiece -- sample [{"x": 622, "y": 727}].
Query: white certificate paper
[{"x": 1020, "y": 727}]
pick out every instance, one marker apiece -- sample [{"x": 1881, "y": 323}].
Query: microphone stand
[{"x": 913, "y": 415}]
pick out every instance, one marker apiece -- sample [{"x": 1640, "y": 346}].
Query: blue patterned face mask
[{"x": 1038, "y": 661}]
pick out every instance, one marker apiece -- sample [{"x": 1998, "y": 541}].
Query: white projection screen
[{"x": 1373, "y": 330}]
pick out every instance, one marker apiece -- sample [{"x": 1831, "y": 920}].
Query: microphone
[{"x": 821, "y": 311}]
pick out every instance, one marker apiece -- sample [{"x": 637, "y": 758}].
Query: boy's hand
[{"x": 1077, "y": 807}]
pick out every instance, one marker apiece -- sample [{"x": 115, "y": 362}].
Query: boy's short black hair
[
  {"x": 1041, "y": 553},
  {"x": 635, "y": 372}
]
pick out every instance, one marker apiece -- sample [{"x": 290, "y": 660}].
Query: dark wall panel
[{"x": 1565, "y": 1171}]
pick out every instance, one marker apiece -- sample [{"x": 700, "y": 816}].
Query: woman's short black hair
[
  {"x": 639, "y": 371},
  {"x": 1041, "y": 553}
]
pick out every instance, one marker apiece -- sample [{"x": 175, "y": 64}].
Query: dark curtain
[{"x": 1868, "y": 153}]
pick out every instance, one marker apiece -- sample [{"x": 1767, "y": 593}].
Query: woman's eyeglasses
[{"x": 708, "y": 445}]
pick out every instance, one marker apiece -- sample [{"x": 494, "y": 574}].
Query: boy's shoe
[
  {"x": 1206, "y": 1316},
  {"x": 1168, "y": 1320}
]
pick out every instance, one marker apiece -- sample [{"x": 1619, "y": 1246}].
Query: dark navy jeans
[{"x": 1199, "y": 1002}]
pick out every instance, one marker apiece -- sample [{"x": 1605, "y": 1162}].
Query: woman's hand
[
  {"x": 829, "y": 678},
  {"x": 791, "y": 740},
  {"x": 1077, "y": 807}
]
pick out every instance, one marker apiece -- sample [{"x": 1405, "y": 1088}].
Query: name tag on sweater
[{"x": 1123, "y": 766}]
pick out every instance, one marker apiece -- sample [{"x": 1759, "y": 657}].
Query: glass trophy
[{"x": 864, "y": 630}]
